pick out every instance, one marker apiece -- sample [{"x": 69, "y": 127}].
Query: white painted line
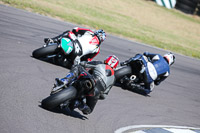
[
  {"x": 121, "y": 130},
  {"x": 179, "y": 130},
  {"x": 137, "y": 132}
]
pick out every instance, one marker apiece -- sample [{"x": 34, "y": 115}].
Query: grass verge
[{"x": 140, "y": 20}]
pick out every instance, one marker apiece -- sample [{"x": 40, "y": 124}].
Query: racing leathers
[
  {"x": 152, "y": 69},
  {"x": 104, "y": 78},
  {"x": 86, "y": 43}
]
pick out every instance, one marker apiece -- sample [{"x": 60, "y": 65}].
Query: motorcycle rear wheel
[
  {"x": 44, "y": 51},
  {"x": 56, "y": 99},
  {"x": 121, "y": 72}
]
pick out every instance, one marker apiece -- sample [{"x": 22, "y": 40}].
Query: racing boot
[
  {"x": 58, "y": 82},
  {"x": 84, "y": 108},
  {"x": 138, "y": 88},
  {"x": 74, "y": 105},
  {"x": 102, "y": 96}
]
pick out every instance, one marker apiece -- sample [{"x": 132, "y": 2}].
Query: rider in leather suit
[
  {"x": 153, "y": 69},
  {"x": 86, "y": 42},
  {"x": 103, "y": 74}
]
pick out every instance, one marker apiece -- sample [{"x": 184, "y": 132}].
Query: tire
[
  {"x": 184, "y": 8},
  {"x": 56, "y": 99},
  {"x": 44, "y": 51},
  {"x": 195, "y": 1},
  {"x": 189, "y": 3},
  {"x": 121, "y": 72},
  {"x": 198, "y": 13}
]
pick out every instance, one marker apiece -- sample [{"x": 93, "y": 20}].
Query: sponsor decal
[{"x": 94, "y": 41}]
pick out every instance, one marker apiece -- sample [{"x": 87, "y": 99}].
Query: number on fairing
[{"x": 77, "y": 48}]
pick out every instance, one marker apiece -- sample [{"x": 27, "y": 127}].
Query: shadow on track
[
  {"x": 139, "y": 92},
  {"x": 67, "y": 112}
]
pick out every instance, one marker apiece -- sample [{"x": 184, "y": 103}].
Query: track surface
[{"x": 25, "y": 81}]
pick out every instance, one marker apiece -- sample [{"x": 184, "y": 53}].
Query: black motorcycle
[
  {"x": 62, "y": 52},
  {"x": 128, "y": 74},
  {"x": 66, "y": 96}
]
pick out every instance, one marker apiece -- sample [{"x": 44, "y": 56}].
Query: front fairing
[{"x": 66, "y": 45}]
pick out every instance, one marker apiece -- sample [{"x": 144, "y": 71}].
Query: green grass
[{"x": 140, "y": 20}]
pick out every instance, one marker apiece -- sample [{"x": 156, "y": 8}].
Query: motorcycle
[
  {"x": 129, "y": 73},
  {"x": 62, "y": 52},
  {"x": 66, "y": 96}
]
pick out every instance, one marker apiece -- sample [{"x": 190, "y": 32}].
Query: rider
[
  {"x": 86, "y": 42},
  {"x": 153, "y": 69},
  {"x": 103, "y": 73}
]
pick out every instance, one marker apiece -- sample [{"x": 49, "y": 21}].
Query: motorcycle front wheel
[
  {"x": 44, "y": 51},
  {"x": 56, "y": 99}
]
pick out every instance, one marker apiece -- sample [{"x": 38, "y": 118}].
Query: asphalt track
[{"x": 25, "y": 81}]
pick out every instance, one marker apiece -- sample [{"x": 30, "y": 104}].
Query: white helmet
[
  {"x": 101, "y": 35},
  {"x": 170, "y": 58}
]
